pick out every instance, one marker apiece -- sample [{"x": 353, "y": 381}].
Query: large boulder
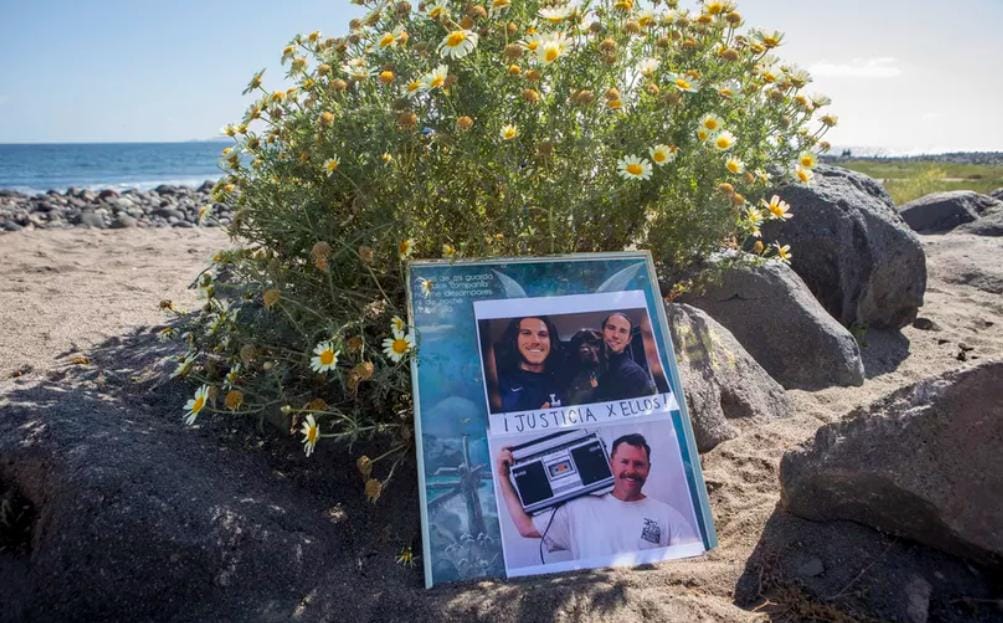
[
  {"x": 722, "y": 382},
  {"x": 852, "y": 249},
  {"x": 966, "y": 259},
  {"x": 942, "y": 212},
  {"x": 997, "y": 193},
  {"x": 923, "y": 463},
  {"x": 124, "y": 516},
  {"x": 771, "y": 312},
  {"x": 989, "y": 224}
]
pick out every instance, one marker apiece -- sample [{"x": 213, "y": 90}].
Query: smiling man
[
  {"x": 526, "y": 379},
  {"x": 621, "y": 521},
  {"x": 622, "y": 378}
]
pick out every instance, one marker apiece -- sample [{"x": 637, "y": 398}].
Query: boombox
[{"x": 559, "y": 467}]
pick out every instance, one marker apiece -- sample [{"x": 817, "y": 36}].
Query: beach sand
[{"x": 67, "y": 292}]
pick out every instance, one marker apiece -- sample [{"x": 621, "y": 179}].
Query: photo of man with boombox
[{"x": 600, "y": 526}]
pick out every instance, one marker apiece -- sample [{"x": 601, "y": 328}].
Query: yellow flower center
[
  {"x": 455, "y": 38},
  {"x": 634, "y": 168},
  {"x": 404, "y": 248},
  {"x": 658, "y": 156},
  {"x": 682, "y": 83},
  {"x": 399, "y": 346},
  {"x": 327, "y": 357},
  {"x": 437, "y": 82},
  {"x": 199, "y": 403},
  {"x": 532, "y": 45},
  {"x": 387, "y": 39},
  {"x": 710, "y": 124},
  {"x": 550, "y": 54},
  {"x": 723, "y": 141},
  {"x": 732, "y": 166},
  {"x": 311, "y": 434},
  {"x": 807, "y": 161},
  {"x": 413, "y": 86}
]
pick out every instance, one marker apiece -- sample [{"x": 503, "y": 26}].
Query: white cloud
[
  {"x": 879, "y": 67},
  {"x": 930, "y": 116}
]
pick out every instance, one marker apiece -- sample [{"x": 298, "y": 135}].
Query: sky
[{"x": 905, "y": 76}]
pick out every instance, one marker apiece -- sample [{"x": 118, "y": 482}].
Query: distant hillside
[{"x": 989, "y": 158}]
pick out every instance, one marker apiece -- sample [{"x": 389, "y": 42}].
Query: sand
[{"x": 65, "y": 292}]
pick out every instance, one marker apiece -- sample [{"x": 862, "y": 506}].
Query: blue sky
[{"x": 905, "y": 76}]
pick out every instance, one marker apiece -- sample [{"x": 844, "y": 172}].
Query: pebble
[{"x": 164, "y": 206}]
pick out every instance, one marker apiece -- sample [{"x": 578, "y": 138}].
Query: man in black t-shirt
[
  {"x": 622, "y": 378},
  {"x": 526, "y": 380}
]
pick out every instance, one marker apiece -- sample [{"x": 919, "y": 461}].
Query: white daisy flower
[
  {"x": 734, "y": 166},
  {"x": 509, "y": 132},
  {"x": 397, "y": 325},
  {"x": 325, "y": 357},
  {"x": 648, "y": 66},
  {"x": 804, "y": 175},
  {"x": 458, "y": 44},
  {"x": 557, "y": 14},
  {"x": 435, "y": 79},
  {"x": 711, "y": 122},
  {"x": 195, "y": 405},
  {"x": 684, "y": 83},
  {"x": 331, "y": 165},
  {"x": 387, "y": 40},
  {"x": 311, "y": 433},
  {"x": 634, "y": 168},
  {"x": 807, "y": 160},
  {"x": 405, "y": 248},
  {"x": 551, "y": 48},
  {"x": 398, "y": 346},
  {"x": 437, "y": 10},
  {"x": 662, "y": 154},
  {"x": 723, "y": 140},
  {"x": 499, "y": 6},
  {"x": 358, "y": 72},
  {"x": 426, "y": 287}
]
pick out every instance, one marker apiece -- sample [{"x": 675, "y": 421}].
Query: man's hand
[
  {"x": 522, "y": 521},
  {"x": 504, "y": 462}
]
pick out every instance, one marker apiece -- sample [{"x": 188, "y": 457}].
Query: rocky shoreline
[{"x": 164, "y": 206}]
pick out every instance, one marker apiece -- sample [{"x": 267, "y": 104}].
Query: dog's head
[{"x": 586, "y": 345}]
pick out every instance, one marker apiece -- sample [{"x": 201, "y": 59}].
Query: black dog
[{"x": 583, "y": 353}]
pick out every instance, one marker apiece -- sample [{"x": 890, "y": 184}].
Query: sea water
[{"x": 37, "y": 168}]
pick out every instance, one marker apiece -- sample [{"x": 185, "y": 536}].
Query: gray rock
[
  {"x": 923, "y": 463},
  {"x": 208, "y": 185},
  {"x": 771, "y": 312},
  {"x": 942, "y": 212},
  {"x": 721, "y": 380},
  {"x": 11, "y": 226},
  {"x": 989, "y": 224},
  {"x": 169, "y": 213},
  {"x": 91, "y": 218},
  {"x": 966, "y": 259},
  {"x": 123, "y": 221},
  {"x": 107, "y": 193},
  {"x": 997, "y": 194},
  {"x": 852, "y": 249},
  {"x": 136, "y": 519}
]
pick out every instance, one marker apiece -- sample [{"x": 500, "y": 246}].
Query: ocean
[{"x": 56, "y": 166}]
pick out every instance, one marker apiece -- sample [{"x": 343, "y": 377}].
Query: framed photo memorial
[{"x": 552, "y": 432}]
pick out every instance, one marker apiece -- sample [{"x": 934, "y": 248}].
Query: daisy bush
[{"x": 470, "y": 129}]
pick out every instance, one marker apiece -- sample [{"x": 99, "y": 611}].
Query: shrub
[{"x": 465, "y": 129}]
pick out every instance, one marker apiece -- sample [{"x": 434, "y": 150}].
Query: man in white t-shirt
[{"x": 624, "y": 520}]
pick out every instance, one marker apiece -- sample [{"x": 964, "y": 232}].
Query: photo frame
[{"x": 552, "y": 433}]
